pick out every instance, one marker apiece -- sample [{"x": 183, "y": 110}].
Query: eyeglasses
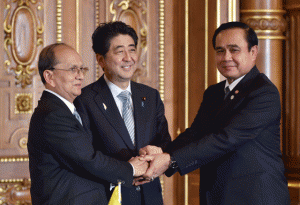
[{"x": 75, "y": 70}]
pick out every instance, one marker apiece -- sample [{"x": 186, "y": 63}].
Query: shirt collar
[
  {"x": 233, "y": 84},
  {"x": 115, "y": 90},
  {"x": 68, "y": 103}
]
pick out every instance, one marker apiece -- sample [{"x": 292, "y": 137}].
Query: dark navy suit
[
  {"x": 64, "y": 166},
  {"x": 236, "y": 145},
  {"x": 101, "y": 115}
]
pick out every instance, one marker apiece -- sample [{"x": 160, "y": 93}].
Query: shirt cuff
[{"x": 132, "y": 169}]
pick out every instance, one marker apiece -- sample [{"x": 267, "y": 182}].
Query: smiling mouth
[{"x": 127, "y": 67}]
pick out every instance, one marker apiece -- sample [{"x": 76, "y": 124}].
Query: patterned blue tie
[
  {"x": 77, "y": 116},
  {"x": 227, "y": 91},
  {"x": 127, "y": 113}
]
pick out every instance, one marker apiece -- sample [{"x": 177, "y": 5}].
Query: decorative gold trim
[
  {"x": 186, "y": 182},
  {"x": 161, "y": 49},
  {"x": 59, "y": 21},
  {"x": 97, "y": 24},
  {"x": 218, "y": 24},
  {"x": 124, "y": 4},
  {"x": 186, "y": 189},
  {"x": 112, "y": 10},
  {"x": 23, "y": 103},
  {"x": 161, "y": 34},
  {"x": 262, "y": 11},
  {"x": 13, "y": 180},
  {"x": 77, "y": 26},
  {"x": 271, "y": 37},
  {"x": 294, "y": 184},
  {"x": 23, "y": 142},
  {"x": 231, "y": 10},
  {"x": 206, "y": 46},
  {"x": 14, "y": 159}
]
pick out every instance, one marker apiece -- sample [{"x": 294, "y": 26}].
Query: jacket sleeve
[
  {"x": 72, "y": 146},
  {"x": 258, "y": 111}
]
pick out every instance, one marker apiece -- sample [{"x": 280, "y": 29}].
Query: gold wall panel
[{"x": 23, "y": 35}]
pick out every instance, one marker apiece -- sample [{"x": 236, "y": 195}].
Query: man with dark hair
[
  {"x": 64, "y": 166},
  {"x": 235, "y": 137},
  {"x": 123, "y": 116}
]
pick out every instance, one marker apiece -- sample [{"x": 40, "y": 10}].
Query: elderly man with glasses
[{"x": 64, "y": 167}]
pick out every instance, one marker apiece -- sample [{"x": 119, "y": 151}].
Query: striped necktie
[
  {"x": 77, "y": 116},
  {"x": 227, "y": 91},
  {"x": 127, "y": 113}
]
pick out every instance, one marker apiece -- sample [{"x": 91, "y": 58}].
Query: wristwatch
[{"x": 173, "y": 164}]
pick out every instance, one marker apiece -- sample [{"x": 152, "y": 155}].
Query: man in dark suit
[
  {"x": 64, "y": 166},
  {"x": 235, "y": 137},
  {"x": 115, "y": 133}
]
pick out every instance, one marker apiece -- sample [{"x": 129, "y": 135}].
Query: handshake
[{"x": 151, "y": 163}]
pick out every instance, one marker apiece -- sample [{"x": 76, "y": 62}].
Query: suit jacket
[
  {"x": 236, "y": 144},
  {"x": 64, "y": 166},
  {"x": 112, "y": 138}
]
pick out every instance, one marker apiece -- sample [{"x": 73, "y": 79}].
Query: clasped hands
[{"x": 151, "y": 163}]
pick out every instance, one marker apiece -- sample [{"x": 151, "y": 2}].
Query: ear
[
  {"x": 100, "y": 60},
  {"x": 254, "y": 52},
  {"x": 48, "y": 75}
]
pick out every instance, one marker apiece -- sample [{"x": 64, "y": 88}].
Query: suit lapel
[
  {"x": 108, "y": 107},
  {"x": 140, "y": 115},
  {"x": 237, "y": 95}
]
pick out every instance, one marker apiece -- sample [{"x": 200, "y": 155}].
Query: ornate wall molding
[
  {"x": 162, "y": 49},
  {"x": 15, "y": 193},
  {"x": 59, "y": 21},
  {"x": 23, "y": 29},
  {"x": 268, "y": 24}
]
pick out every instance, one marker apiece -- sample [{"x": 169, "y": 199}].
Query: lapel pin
[
  {"x": 104, "y": 106},
  {"x": 232, "y": 97},
  {"x": 236, "y": 92},
  {"x": 144, "y": 98}
]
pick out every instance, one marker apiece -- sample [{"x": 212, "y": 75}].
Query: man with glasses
[{"x": 64, "y": 167}]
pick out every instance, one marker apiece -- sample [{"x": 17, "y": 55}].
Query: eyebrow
[
  {"x": 121, "y": 46},
  {"x": 230, "y": 46}
]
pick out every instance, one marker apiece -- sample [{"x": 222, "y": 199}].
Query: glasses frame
[{"x": 74, "y": 70}]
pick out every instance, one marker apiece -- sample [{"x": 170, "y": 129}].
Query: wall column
[
  {"x": 266, "y": 18},
  {"x": 291, "y": 117}
]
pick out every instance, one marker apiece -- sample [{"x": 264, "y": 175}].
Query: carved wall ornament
[
  {"x": 23, "y": 103},
  {"x": 133, "y": 12},
  {"x": 268, "y": 24},
  {"x": 15, "y": 193},
  {"x": 23, "y": 35}
]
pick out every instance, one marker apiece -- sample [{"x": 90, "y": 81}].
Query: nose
[
  {"x": 227, "y": 55},
  {"x": 80, "y": 75},
  {"x": 127, "y": 56}
]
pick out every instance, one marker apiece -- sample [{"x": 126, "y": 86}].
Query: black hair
[
  {"x": 106, "y": 31},
  {"x": 250, "y": 34}
]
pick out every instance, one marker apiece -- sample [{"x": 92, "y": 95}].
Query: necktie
[
  {"x": 77, "y": 116},
  {"x": 227, "y": 91},
  {"x": 127, "y": 113}
]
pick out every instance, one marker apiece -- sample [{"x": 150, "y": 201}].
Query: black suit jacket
[
  {"x": 236, "y": 145},
  {"x": 64, "y": 166},
  {"x": 112, "y": 138}
]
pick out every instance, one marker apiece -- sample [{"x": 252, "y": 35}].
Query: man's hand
[
  {"x": 150, "y": 150},
  {"x": 140, "y": 164},
  {"x": 158, "y": 165}
]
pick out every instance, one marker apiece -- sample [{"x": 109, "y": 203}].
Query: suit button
[{"x": 138, "y": 188}]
